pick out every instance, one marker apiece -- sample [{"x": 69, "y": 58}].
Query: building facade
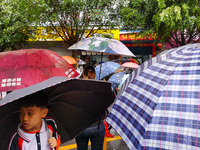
[{"x": 143, "y": 48}]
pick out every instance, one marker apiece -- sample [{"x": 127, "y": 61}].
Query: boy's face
[{"x": 31, "y": 118}]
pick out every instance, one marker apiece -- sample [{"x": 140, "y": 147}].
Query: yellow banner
[
  {"x": 114, "y": 34},
  {"x": 50, "y": 34}
]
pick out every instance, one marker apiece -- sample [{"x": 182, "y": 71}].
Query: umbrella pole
[{"x": 100, "y": 65}]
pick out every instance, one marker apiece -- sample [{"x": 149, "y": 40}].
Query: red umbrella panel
[{"x": 23, "y": 68}]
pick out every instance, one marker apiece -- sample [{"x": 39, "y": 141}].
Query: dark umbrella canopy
[
  {"x": 122, "y": 59},
  {"x": 158, "y": 106},
  {"x": 73, "y": 104}
]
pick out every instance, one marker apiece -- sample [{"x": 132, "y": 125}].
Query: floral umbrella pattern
[{"x": 104, "y": 45}]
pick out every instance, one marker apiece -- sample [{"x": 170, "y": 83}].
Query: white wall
[{"x": 57, "y": 47}]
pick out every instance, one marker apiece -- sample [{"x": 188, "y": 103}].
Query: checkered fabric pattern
[{"x": 158, "y": 105}]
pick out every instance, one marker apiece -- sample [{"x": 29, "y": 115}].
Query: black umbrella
[
  {"x": 74, "y": 105},
  {"x": 122, "y": 59}
]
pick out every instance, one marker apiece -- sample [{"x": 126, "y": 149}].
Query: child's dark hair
[{"x": 38, "y": 99}]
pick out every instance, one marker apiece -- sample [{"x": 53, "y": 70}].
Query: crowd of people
[{"x": 35, "y": 131}]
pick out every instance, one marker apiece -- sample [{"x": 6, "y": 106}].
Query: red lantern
[{"x": 159, "y": 45}]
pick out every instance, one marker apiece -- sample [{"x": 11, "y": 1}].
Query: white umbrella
[{"x": 102, "y": 45}]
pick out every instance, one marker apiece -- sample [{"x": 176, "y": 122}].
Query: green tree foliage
[
  {"x": 176, "y": 19},
  {"x": 14, "y": 28},
  {"x": 70, "y": 19}
]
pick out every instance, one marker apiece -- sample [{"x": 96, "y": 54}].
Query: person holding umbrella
[
  {"x": 96, "y": 132},
  {"x": 73, "y": 104},
  {"x": 35, "y": 132}
]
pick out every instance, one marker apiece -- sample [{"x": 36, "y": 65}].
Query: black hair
[
  {"x": 87, "y": 69},
  {"x": 38, "y": 99}
]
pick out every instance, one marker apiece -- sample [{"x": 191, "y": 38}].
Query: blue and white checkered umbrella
[
  {"x": 158, "y": 106},
  {"x": 106, "y": 68}
]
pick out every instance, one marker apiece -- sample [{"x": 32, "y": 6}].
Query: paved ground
[{"x": 115, "y": 143}]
